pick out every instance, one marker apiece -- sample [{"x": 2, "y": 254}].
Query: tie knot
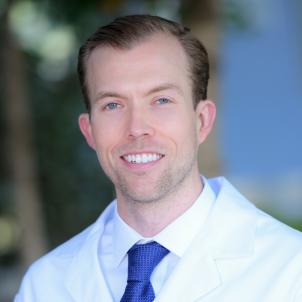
[{"x": 143, "y": 258}]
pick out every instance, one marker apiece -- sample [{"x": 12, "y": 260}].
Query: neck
[{"x": 150, "y": 218}]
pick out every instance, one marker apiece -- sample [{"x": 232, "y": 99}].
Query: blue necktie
[{"x": 142, "y": 259}]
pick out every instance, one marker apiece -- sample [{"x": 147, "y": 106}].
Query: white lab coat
[{"x": 241, "y": 255}]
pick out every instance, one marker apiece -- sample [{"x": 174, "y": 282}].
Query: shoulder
[
  {"x": 63, "y": 254},
  {"x": 269, "y": 249},
  {"x": 278, "y": 248},
  {"x": 49, "y": 272},
  {"x": 236, "y": 217},
  {"x": 280, "y": 242},
  {"x": 232, "y": 205},
  {"x": 60, "y": 257},
  {"x": 244, "y": 221}
]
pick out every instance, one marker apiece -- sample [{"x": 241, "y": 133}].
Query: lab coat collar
[
  {"x": 228, "y": 235},
  {"x": 85, "y": 280}
]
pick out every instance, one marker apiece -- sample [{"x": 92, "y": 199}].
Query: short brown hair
[{"x": 125, "y": 32}]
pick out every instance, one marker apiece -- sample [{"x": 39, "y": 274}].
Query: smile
[{"x": 143, "y": 158}]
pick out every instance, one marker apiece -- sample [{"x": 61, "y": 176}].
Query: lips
[{"x": 142, "y": 158}]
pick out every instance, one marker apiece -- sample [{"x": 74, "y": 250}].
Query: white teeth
[
  {"x": 138, "y": 159},
  {"x": 142, "y": 158}
]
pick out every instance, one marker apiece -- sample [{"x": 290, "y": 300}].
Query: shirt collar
[
  {"x": 179, "y": 234},
  {"x": 176, "y": 237},
  {"x": 124, "y": 237}
]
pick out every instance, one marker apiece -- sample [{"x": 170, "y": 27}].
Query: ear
[
  {"x": 85, "y": 127},
  {"x": 206, "y": 113}
]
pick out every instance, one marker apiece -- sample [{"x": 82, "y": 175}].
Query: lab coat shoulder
[
  {"x": 244, "y": 223},
  {"x": 279, "y": 251},
  {"x": 275, "y": 233},
  {"x": 248, "y": 240},
  {"x": 46, "y": 277},
  {"x": 237, "y": 216}
]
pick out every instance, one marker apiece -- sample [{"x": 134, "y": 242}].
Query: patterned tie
[{"x": 142, "y": 259}]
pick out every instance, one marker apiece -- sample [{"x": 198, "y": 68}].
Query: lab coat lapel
[
  {"x": 195, "y": 275},
  {"x": 85, "y": 279},
  {"x": 232, "y": 224},
  {"x": 228, "y": 235}
]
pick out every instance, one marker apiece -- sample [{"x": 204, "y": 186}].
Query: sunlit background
[{"x": 51, "y": 185}]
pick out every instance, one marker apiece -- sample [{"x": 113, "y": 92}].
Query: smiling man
[
  {"x": 171, "y": 234},
  {"x": 145, "y": 129}
]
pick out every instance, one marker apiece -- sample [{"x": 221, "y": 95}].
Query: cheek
[
  {"x": 105, "y": 142},
  {"x": 167, "y": 119},
  {"x": 179, "y": 127},
  {"x": 107, "y": 135}
]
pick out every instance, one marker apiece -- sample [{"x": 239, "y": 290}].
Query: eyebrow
[{"x": 162, "y": 87}]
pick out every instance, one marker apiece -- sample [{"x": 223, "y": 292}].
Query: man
[{"x": 171, "y": 234}]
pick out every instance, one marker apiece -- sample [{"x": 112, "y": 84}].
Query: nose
[{"x": 139, "y": 123}]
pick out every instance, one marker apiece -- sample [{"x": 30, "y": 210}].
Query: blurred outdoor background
[{"x": 51, "y": 186}]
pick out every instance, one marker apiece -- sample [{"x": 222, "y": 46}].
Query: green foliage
[{"x": 73, "y": 187}]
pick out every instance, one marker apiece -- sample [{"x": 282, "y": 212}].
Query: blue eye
[
  {"x": 111, "y": 106},
  {"x": 163, "y": 101}
]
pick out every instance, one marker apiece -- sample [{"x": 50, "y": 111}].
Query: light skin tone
[{"x": 145, "y": 130}]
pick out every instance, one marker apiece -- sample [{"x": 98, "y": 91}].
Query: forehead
[
  {"x": 158, "y": 58},
  {"x": 152, "y": 44},
  {"x": 157, "y": 48}
]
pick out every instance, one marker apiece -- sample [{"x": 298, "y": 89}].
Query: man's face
[{"x": 143, "y": 125}]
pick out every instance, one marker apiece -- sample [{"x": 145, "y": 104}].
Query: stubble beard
[{"x": 167, "y": 184}]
